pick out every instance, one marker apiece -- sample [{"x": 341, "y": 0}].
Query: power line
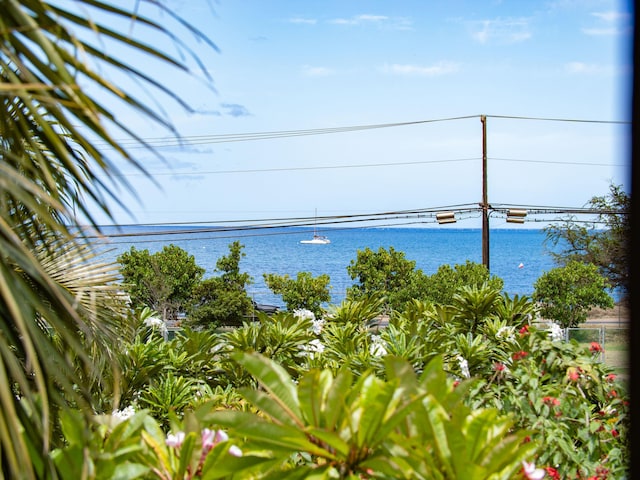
[
  {"x": 362, "y": 165},
  {"x": 193, "y": 140},
  {"x": 559, "y": 162},
  {"x": 570, "y": 120},
  {"x": 267, "y": 227},
  {"x": 292, "y": 169}
]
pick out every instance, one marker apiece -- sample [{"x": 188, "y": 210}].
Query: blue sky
[{"x": 311, "y": 65}]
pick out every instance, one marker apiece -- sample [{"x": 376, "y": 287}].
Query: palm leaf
[{"x": 53, "y": 172}]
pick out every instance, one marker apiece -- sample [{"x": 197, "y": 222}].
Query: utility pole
[{"x": 485, "y": 202}]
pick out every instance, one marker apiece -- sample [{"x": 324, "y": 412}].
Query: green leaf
[
  {"x": 313, "y": 388},
  {"x": 283, "y": 438},
  {"x": 129, "y": 471},
  {"x": 275, "y": 380},
  {"x": 186, "y": 452},
  {"x": 336, "y": 403}
]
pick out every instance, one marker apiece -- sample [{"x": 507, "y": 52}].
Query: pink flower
[
  {"x": 595, "y": 347},
  {"x": 611, "y": 377},
  {"x": 210, "y": 438},
  {"x": 531, "y": 472},
  {"x": 176, "y": 440}
]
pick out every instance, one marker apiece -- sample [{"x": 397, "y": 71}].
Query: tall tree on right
[{"x": 602, "y": 242}]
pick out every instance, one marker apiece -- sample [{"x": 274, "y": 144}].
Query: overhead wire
[
  {"x": 188, "y": 140},
  {"x": 267, "y": 227}
]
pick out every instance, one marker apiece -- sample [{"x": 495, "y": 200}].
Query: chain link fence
[{"x": 613, "y": 340}]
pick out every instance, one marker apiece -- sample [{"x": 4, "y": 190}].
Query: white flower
[
  {"x": 235, "y": 451},
  {"x": 531, "y": 472},
  {"x": 377, "y": 347},
  {"x": 316, "y": 345},
  {"x": 123, "y": 414},
  {"x": 154, "y": 322},
  {"x": 556, "y": 332},
  {"x": 316, "y": 326},
  {"x": 313, "y": 347},
  {"x": 505, "y": 332},
  {"x": 175, "y": 440},
  {"x": 304, "y": 314},
  {"x": 464, "y": 366}
]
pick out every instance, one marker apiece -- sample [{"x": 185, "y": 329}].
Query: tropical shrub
[
  {"x": 572, "y": 403},
  {"x": 132, "y": 445},
  {"x": 447, "y": 281},
  {"x": 302, "y": 293},
  {"x": 222, "y": 299},
  {"x": 386, "y": 273},
  {"x": 162, "y": 281},
  {"x": 406, "y": 426},
  {"x": 566, "y": 294}
]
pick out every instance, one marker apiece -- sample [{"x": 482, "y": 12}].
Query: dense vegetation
[{"x": 458, "y": 385}]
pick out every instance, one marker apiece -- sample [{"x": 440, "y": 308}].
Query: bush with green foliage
[
  {"x": 567, "y": 294},
  {"x": 163, "y": 281},
  {"x": 464, "y": 390},
  {"x": 608, "y": 247},
  {"x": 385, "y": 273},
  {"x": 443, "y": 285},
  {"x": 305, "y": 292}
]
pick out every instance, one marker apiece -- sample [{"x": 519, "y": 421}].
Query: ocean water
[{"x": 519, "y": 257}]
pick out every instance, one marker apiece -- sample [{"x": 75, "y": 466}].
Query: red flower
[
  {"x": 498, "y": 367},
  {"x": 456, "y": 383},
  {"x": 551, "y": 401},
  {"x": 519, "y": 355},
  {"x": 595, "y": 347},
  {"x": 553, "y": 473},
  {"x": 524, "y": 330},
  {"x": 615, "y": 433},
  {"x": 573, "y": 374},
  {"x": 611, "y": 377},
  {"x": 613, "y": 393}
]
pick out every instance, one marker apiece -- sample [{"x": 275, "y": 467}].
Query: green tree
[
  {"x": 163, "y": 281},
  {"x": 57, "y": 156},
  {"x": 223, "y": 299},
  {"x": 566, "y": 294},
  {"x": 442, "y": 286},
  {"x": 303, "y": 292},
  {"x": 387, "y": 273},
  {"x": 607, "y": 247}
]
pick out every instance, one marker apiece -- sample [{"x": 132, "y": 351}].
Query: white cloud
[
  {"x": 511, "y": 30},
  {"x": 611, "y": 16},
  {"x": 359, "y": 19},
  {"x": 581, "y": 68},
  {"x": 310, "y": 71},
  {"x": 437, "y": 69},
  {"x": 305, "y": 21},
  {"x": 372, "y": 18},
  {"x": 610, "y": 23},
  {"x": 382, "y": 21}
]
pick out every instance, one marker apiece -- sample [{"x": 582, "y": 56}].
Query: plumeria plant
[{"x": 411, "y": 427}]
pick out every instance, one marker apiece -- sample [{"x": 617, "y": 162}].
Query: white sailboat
[{"x": 317, "y": 239}]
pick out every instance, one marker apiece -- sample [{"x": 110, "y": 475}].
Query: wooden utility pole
[{"x": 485, "y": 201}]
